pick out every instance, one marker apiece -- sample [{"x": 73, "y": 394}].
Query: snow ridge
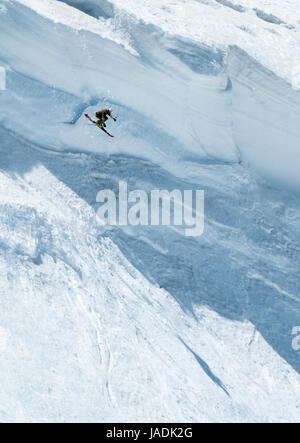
[{"x": 133, "y": 324}]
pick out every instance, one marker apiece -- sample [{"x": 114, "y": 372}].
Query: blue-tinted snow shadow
[
  {"x": 205, "y": 367},
  {"x": 272, "y": 19},
  {"x": 200, "y": 58},
  {"x": 247, "y": 237},
  {"x": 245, "y": 264},
  {"x": 228, "y": 4},
  {"x": 93, "y": 8}
]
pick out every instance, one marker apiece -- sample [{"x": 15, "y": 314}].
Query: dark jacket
[{"x": 103, "y": 114}]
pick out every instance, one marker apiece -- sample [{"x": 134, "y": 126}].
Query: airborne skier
[{"x": 102, "y": 117}]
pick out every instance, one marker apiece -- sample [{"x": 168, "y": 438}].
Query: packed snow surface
[{"x": 144, "y": 323}]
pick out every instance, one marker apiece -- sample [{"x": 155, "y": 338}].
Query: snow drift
[{"x": 146, "y": 324}]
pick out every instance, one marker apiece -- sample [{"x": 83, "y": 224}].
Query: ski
[{"x": 95, "y": 123}]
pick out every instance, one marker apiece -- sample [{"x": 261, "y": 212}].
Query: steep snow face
[
  {"x": 78, "y": 21},
  {"x": 152, "y": 94},
  {"x": 270, "y": 108},
  {"x": 84, "y": 336},
  {"x": 266, "y": 30},
  {"x": 178, "y": 99},
  {"x": 143, "y": 323}
]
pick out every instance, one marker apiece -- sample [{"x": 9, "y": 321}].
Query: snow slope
[{"x": 144, "y": 324}]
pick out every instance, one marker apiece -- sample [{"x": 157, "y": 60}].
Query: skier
[{"x": 102, "y": 117}]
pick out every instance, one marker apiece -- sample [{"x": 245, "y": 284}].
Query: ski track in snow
[{"x": 145, "y": 324}]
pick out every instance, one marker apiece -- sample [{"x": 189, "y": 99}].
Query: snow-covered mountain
[{"x": 144, "y": 323}]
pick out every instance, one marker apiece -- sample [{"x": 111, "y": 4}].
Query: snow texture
[{"x": 145, "y": 324}]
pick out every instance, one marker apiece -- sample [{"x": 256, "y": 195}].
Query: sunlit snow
[{"x": 143, "y": 323}]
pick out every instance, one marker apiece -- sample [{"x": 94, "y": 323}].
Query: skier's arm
[{"x": 112, "y": 117}]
